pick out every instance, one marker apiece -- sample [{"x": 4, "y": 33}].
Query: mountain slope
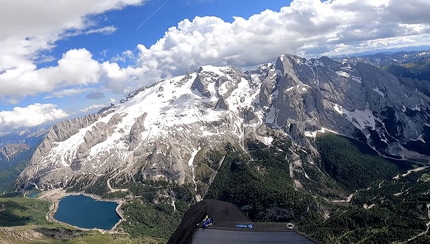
[
  {"x": 157, "y": 132},
  {"x": 419, "y": 69},
  {"x": 16, "y": 150},
  {"x": 15, "y": 147},
  {"x": 385, "y": 208},
  {"x": 252, "y": 138}
]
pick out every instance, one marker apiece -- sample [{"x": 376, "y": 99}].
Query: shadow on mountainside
[{"x": 9, "y": 216}]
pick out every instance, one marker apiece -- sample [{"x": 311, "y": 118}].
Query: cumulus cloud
[
  {"x": 75, "y": 71},
  {"x": 95, "y": 95},
  {"x": 32, "y": 115},
  {"x": 33, "y": 27},
  {"x": 67, "y": 92},
  {"x": 76, "y": 67},
  {"x": 123, "y": 80},
  {"x": 92, "y": 107},
  {"x": 305, "y": 27}
]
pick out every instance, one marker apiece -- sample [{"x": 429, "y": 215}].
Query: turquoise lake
[
  {"x": 86, "y": 212},
  {"x": 33, "y": 194}
]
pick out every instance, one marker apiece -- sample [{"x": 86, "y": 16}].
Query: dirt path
[{"x": 110, "y": 187}]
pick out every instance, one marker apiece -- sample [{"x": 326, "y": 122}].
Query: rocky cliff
[
  {"x": 169, "y": 130},
  {"x": 16, "y": 147},
  {"x": 10, "y": 150}
]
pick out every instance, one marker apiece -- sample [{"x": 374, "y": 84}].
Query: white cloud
[
  {"x": 306, "y": 27},
  {"x": 35, "y": 26},
  {"x": 124, "y": 56},
  {"x": 67, "y": 92},
  {"x": 104, "y": 30},
  {"x": 92, "y": 107},
  {"x": 76, "y": 67},
  {"x": 121, "y": 80},
  {"x": 32, "y": 115}
]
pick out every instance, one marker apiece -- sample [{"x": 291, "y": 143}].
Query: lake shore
[{"x": 54, "y": 196}]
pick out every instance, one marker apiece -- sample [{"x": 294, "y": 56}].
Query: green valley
[{"x": 348, "y": 194}]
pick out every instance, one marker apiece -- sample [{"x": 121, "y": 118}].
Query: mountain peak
[{"x": 158, "y": 129}]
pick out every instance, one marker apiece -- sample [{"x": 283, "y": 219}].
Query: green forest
[
  {"x": 387, "y": 203},
  {"x": 419, "y": 69},
  {"x": 352, "y": 163},
  {"x": 9, "y": 175},
  {"x": 259, "y": 182}
]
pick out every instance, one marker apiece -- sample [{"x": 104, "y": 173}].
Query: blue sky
[
  {"x": 127, "y": 21},
  {"x": 145, "y": 25},
  {"x": 70, "y": 58}
]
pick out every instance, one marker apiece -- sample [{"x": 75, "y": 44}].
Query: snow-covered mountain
[{"x": 168, "y": 130}]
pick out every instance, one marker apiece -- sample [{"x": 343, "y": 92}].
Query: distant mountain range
[
  {"x": 387, "y": 59},
  {"x": 16, "y": 150},
  {"x": 411, "y": 68}
]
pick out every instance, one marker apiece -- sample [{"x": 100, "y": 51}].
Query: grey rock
[
  {"x": 136, "y": 130},
  {"x": 294, "y": 99},
  {"x": 115, "y": 119},
  {"x": 10, "y": 150},
  {"x": 221, "y": 104},
  {"x": 199, "y": 86}
]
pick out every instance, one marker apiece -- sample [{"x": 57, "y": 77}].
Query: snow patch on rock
[
  {"x": 376, "y": 89},
  {"x": 360, "y": 118}
]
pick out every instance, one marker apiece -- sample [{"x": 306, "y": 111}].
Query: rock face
[
  {"x": 359, "y": 101},
  {"x": 18, "y": 147},
  {"x": 165, "y": 131},
  {"x": 11, "y": 150}
]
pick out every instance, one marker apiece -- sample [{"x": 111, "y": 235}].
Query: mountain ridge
[
  {"x": 265, "y": 140},
  {"x": 179, "y": 117}
]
